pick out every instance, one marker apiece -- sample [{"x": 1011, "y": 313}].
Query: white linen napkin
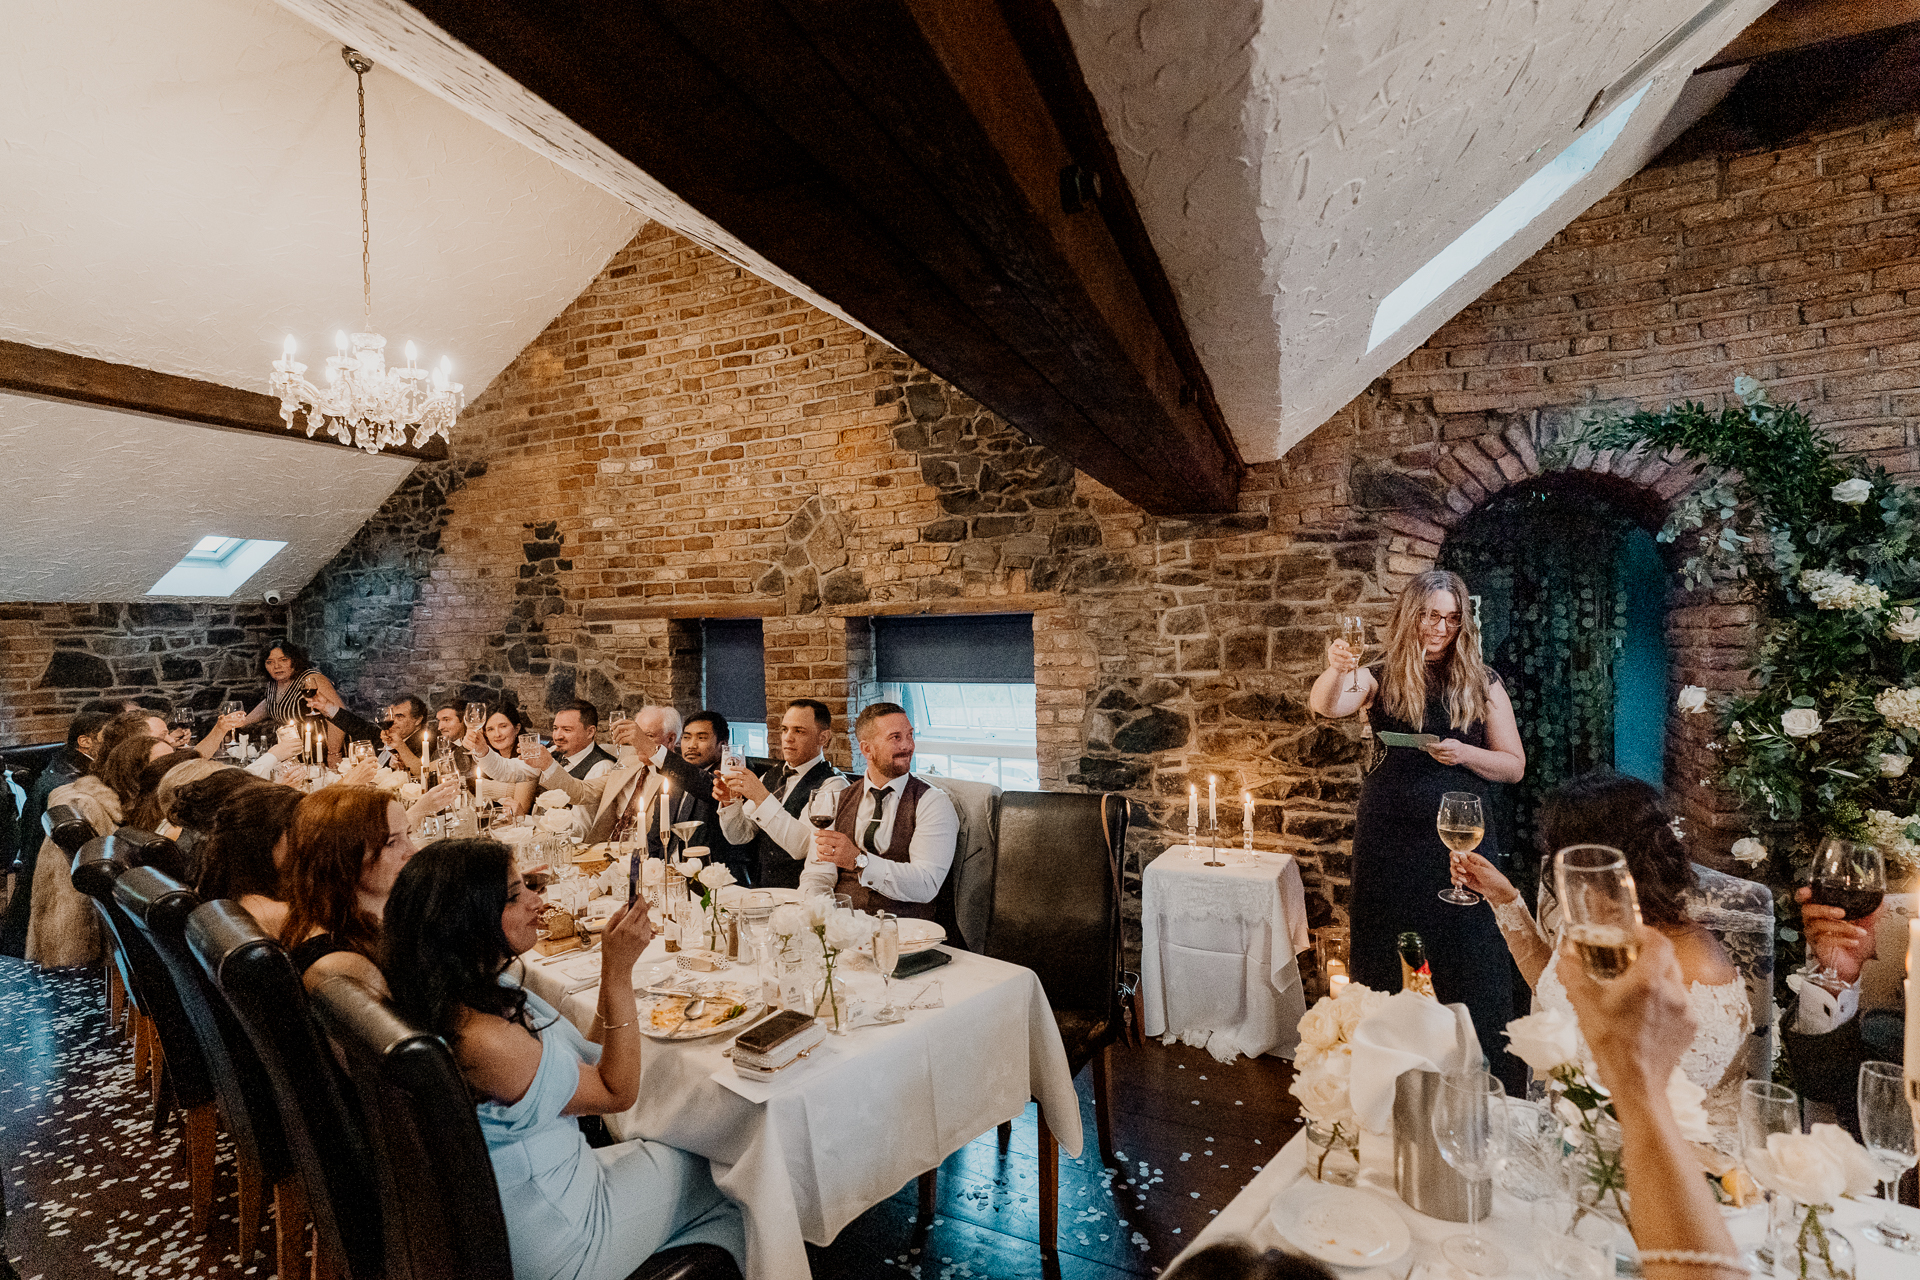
[{"x": 1409, "y": 1033}]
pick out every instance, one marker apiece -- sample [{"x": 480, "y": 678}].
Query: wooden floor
[{"x": 92, "y": 1194}]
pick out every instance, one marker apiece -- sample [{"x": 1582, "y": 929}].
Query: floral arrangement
[
  {"x": 836, "y": 929},
  {"x": 711, "y": 879},
  {"x": 1829, "y": 551},
  {"x": 1814, "y": 1169},
  {"x": 1323, "y": 1068}
]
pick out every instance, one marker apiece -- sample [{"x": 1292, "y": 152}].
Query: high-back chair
[
  {"x": 442, "y": 1205},
  {"x": 1056, "y": 910},
  {"x": 184, "y": 1075},
  {"x": 158, "y": 906},
  {"x": 325, "y": 1138},
  {"x": 259, "y": 983},
  {"x": 69, "y": 829},
  {"x": 966, "y": 900},
  {"x": 1740, "y": 913}
]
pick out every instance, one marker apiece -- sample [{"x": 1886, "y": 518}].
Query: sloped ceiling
[{"x": 179, "y": 191}]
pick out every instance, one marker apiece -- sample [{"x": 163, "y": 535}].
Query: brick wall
[
  {"x": 687, "y": 441},
  {"x": 53, "y": 657}
]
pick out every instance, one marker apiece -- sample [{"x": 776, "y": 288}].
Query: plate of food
[
  {"x": 1339, "y": 1225},
  {"x": 724, "y": 1007}
]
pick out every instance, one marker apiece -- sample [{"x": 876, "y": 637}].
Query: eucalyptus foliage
[{"x": 1826, "y": 548}]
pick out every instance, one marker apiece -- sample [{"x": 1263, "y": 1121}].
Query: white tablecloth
[
  {"x": 1217, "y": 949},
  {"x": 1508, "y": 1226},
  {"x": 854, "y": 1124}
]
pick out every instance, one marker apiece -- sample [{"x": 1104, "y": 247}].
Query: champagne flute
[
  {"x": 1469, "y": 1127},
  {"x": 1886, "y": 1126},
  {"x": 1462, "y": 825},
  {"x": 1600, "y": 907},
  {"x": 1851, "y": 875},
  {"x": 1353, "y": 631},
  {"x": 886, "y": 957}
]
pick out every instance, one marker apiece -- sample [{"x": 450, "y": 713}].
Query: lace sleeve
[{"x": 1529, "y": 946}]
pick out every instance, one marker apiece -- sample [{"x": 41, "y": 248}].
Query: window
[
  {"x": 967, "y": 684},
  {"x": 733, "y": 675},
  {"x": 216, "y": 565}
]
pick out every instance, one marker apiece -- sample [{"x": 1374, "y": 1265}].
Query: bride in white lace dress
[{"x": 1627, "y": 814}]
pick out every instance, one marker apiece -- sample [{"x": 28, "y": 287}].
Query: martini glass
[{"x": 685, "y": 831}]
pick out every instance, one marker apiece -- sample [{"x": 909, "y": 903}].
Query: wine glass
[
  {"x": 1353, "y": 631},
  {"x": 1461, "y": 824},
  {"x": 886, "y": 956},
  {"x": 1851, "y": 875},
  {"x": 1886, "y": 1126},
  {"x": 1600, "y": 907},
  {"x": 475, "y": 715},
  {"x": 1469, "y": 1127}
]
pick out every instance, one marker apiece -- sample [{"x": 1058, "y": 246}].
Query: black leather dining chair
[
  {"x": 182, "y": 1075},
  {"x": 1056, "y": 910},
  {"x": 69, "y": 829},
  {"x": 442, "y": 1206},
  {"x": 336, "y": 1186},
  {"x": 158, "y": 906}
]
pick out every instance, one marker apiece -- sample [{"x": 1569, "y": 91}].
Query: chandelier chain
[{"x": 366, "y": 236}]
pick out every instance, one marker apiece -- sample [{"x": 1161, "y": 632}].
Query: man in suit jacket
[
  {"x": 769, "y": 811},
  {"x": 701, "y": 743},
  {"x": 1825, "y": 1034}
]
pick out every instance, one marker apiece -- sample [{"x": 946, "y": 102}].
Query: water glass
[
  {"x": 1600, "y": 908},
  {"x": 1886, "y": 1128},
  {"x": 1575, "y": 1242},
  {"x": 1469, "y": 1129}
]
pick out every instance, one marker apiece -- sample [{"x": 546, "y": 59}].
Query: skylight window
[
  {"x": 1528, "y": 201},
  {"x": 216, "y": 566}
]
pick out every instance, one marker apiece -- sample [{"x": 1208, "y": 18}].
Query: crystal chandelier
[{"x": 365, "y": 403}]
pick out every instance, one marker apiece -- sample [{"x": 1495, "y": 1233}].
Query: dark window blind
[
  {"x": 735, "y": 659},
  {"x": 973, "y": 648}
]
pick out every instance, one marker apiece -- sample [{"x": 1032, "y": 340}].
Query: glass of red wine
[{"x": 1851, "y": 875}]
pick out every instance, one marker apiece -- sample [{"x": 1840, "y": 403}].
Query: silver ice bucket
[{"x": 1421, "y": 1174}]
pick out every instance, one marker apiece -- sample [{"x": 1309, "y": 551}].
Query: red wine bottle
[{"x": 1857, "y": 903}]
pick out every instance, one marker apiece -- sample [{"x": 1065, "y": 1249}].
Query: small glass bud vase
[
  {"x": 1333, "y": 1153},
  {"x": 1806, "y": 1245}
]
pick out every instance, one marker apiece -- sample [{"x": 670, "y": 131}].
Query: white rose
[
  {"x": 716, "y": 876},
  {"x": 814, "y": 910},
  {"x": 1894, "y": 764},
  {"x": 1689, "y": 1103},
  {"x": 690, "y": 868},
  {"x": 847, "y": 930},
  {"x": 411, "y": 791},
  {"x": 1905, "y": 626},
  {"x": 1320, "y": 1025},
  {"x": 554, "y": 799},
  {"x": 1323, "y": 1097},
  {"x": 1749, "y": 851},
  {"x": 1862, "y": 1173},
  {"x": 1852, "y": 492},
  {"x": 556, "y": 821},
  {"x": 1801, "y": 722},
  {"x": 1797, "y": 1165},
  {"x": 787, "y": 920},
  {"x": 1692, "y": 699},
  {"x": 1544, "y": 1040}
]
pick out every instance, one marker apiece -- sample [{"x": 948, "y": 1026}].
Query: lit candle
[
  {"x": 1193, "y": 806},
  {"x": 426, "y": 753},
  {"x": 1336, "y": 977},
  {"x": 1213, "y": 801},
  {"x": 666, "y": 816},
  {"x": 340, "y": 340},
  {"x": 1246, "y": 816}
]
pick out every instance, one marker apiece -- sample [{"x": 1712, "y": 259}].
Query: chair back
[
  {"x": 966, "y": 900},
  {"x": 68, "y": 827},
  {"x": 1056, "y": 895},
  {"x": 324, "y": 1133},
  {"x": 99, "y": 867},
  {"x": 158, "y": 906},
  {"x": 441, "y": 1204},
  {"x": 1740, "y": 914}
]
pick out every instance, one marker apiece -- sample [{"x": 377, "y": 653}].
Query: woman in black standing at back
[{"x": 1431, "y": 679}]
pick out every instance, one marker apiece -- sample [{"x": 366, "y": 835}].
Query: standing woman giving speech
[{"x": 1430, "y": 682}]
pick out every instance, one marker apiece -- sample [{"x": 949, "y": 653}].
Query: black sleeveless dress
[{"x": 1400, "y": 867}]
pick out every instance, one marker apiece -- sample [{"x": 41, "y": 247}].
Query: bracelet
[
  {"x": 616, "y": 1026},
  {"x": 1696, "y": 1258}
]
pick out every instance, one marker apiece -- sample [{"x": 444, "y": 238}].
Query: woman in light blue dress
[{"x": 455, "y": 920}]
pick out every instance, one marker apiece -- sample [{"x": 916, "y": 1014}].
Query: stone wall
[
  {"x": 53, "y": 657},
  {"x": 687, "y": 441}
]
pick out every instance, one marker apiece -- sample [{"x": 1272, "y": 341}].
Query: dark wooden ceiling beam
[
  {"x": 61, "y": 375},
  {"x": 900, "y": 158},
  {"x": 1801, "y": 24}
]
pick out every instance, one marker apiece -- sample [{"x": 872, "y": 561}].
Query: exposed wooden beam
[
  {"x": 1799, "y": 24},
  {"x": 60, "y": 375},
  {"x": 900, "y": 157}
]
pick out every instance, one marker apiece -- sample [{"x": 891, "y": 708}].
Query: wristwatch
[{"x": 859, "y": 862}]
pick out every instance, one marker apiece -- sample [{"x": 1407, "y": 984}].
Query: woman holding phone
[{"x": 1442, "y": 724}]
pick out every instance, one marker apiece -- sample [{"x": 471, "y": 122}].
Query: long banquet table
[
  {"x": 1507, "y": 1226},
  {"x": 864, "y": 1115}
]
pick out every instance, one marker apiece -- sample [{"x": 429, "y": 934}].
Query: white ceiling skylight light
[
  {"x": 1531, "y": 199},
  {"x": 217, "y": 566}
]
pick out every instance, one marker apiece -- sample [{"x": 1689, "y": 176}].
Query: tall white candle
[
  {"x": 1246, "y": 813},
  {"x": 666, "y": 804},
  {"x": 1913, "y": 1023},
  {"x": 1213, "y": 801},
  {"x": 1193, "y": 806}
]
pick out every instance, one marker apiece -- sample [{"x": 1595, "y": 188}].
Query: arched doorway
[{"x": 1572, "y": 597}]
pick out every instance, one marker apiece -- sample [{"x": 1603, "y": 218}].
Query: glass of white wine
[
  {"x": 1462, "y": 825},
  {"x": 1353, "y": 631},
  {"x": 886, "y": 957},
  {"x": 476, "y": 715},
  {"x": 1600, "y": 907}
]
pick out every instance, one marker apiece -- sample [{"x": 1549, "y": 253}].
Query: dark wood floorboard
[{"x": 92, "y": 1195}]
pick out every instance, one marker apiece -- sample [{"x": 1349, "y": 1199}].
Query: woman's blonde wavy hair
[{"x": 1403, "y": 668}]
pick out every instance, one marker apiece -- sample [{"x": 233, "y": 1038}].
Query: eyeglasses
[{"x": 1451, "y": 621}]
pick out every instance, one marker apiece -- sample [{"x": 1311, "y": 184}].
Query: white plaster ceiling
[
  {"x": 101, "y": 503},
  {"x": 1296, "y": 160}
]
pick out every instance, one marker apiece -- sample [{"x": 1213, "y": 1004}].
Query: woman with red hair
[{"x": 345, "y": 847}]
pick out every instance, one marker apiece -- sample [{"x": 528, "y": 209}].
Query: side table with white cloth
[
  {"x": 1217, "y": 951},
  {"x": 1508, "y": 1226},
  {"x": 864, "y": 1115}
]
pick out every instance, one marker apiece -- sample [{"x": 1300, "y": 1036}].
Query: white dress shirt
[
  {"x": 501, "y": 769},
  {"x": 1822, "y": 1011},
  {"x": 739, "y": 820},
  {"x": 936, "y": 829}
]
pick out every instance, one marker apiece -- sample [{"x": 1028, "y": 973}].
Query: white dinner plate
[
  {"x": 918, "y": 935},
  {"x": 735, "y": 895},
  {"x": 1339, "y": 1225}
]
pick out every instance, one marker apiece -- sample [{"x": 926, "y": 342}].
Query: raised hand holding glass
[{"x": 1462, "y": 824}]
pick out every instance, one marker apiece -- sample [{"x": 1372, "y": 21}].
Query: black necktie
[
  {"x": 780, "y": 779},
  {"x": 873, "y": 823}
]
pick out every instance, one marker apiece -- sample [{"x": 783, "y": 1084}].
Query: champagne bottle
[{"x": 1415, "y": 973}]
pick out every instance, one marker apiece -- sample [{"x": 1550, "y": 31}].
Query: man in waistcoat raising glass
[{"x": 892, "y": 839}]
